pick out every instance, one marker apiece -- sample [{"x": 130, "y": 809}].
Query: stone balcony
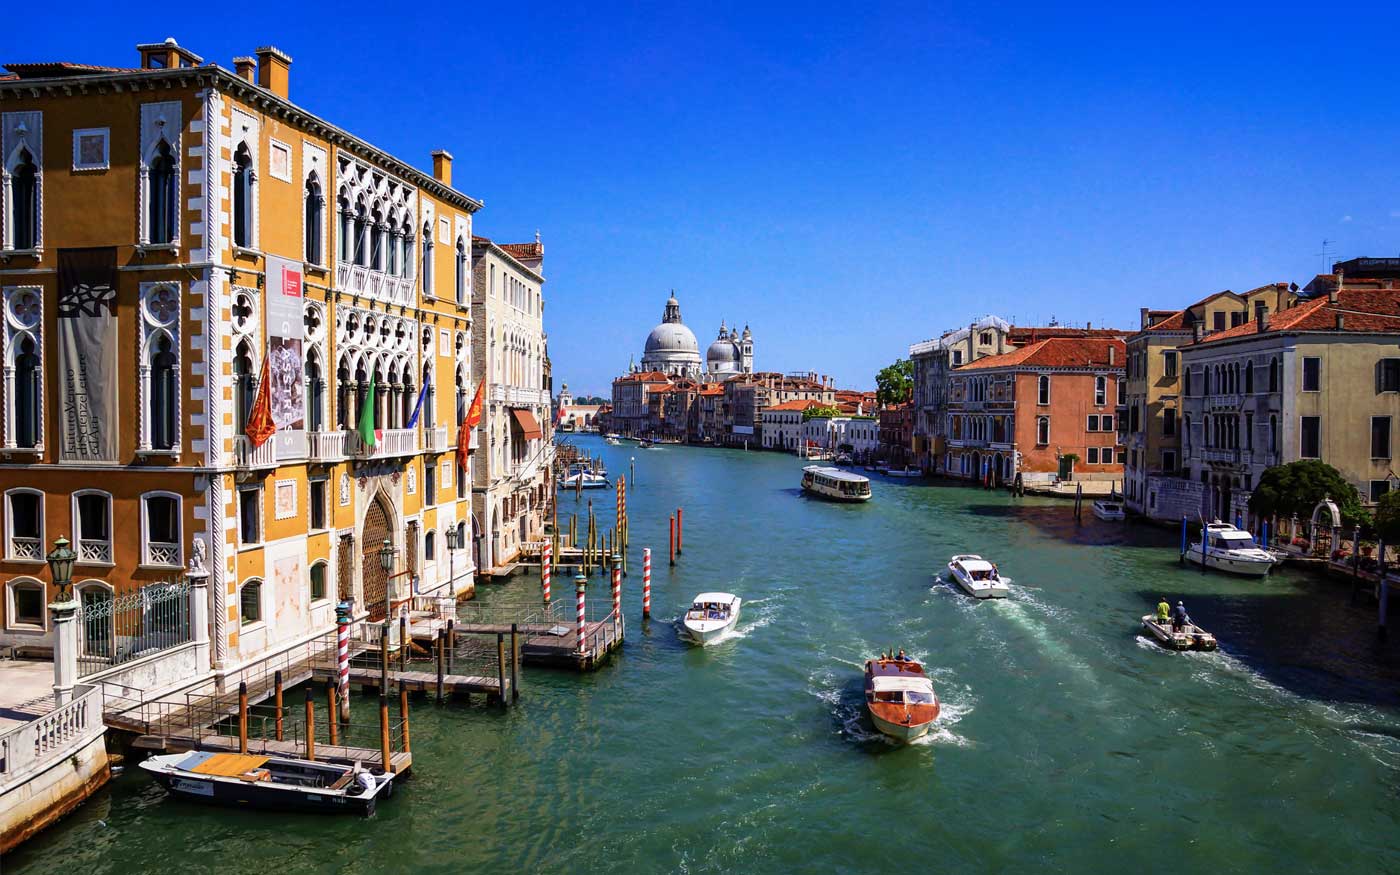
[{"x": 437, "y": 439}]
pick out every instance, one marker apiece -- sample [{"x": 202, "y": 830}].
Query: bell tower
[{"x": 746, "y": 351}]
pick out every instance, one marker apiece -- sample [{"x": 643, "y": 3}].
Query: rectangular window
[
  {"x": 1249, "y": 431},
  {"x": 1168, "y": 461},
  {"x": 1218, "y": 321},
  {"x": 1169, "y": 421},
  {"x": 1379, "y": 489},
  {"x": 1312, "y": 374},
  {"x": 1388, "y": 375},
  {"x": 250, "y": 515},
  {"x": 1093, "y": 424},
  {"x": 1042, "y": 430},
  {"x": 1169, "y": 363},
  {"x": 1093, "y": 455},
  {"x": 27, "y": 603},
  {"x": 1100, "y": 391},
  {"x": 318, "y": 581},
  {"x": 1106, "y": 455},
  {"x": 1236, "y": 319},
  {"x": 430, "y": 484},
  {"x": 1380, "y": 437},
  {"x": 94, "y": 528},
  {"x": 1310, "y": 440},
  {"x": 317, "y": 504},
  {"x": 162, "y": 530},
  {"x": 1106, "y": 422}
]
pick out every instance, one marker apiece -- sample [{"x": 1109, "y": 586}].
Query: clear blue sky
[{"x": 850, "y": 178}]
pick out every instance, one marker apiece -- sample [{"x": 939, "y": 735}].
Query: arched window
[
  {"x": 250, "y": 602},
  {"x": 376, "y": 241},
  {"x": 360, "y": 234},
  {"x": 428, "y": 261},
  {"x": 26, "y": 602},
  {"x": 24, "y": 202},
  {"x": 430, "y": 546},
  {"x": 1273, "y": 434},
  {"x": 163, "y": 208},
  {"x": 317, "y": 580},
  {"x": 461, "y": 271},
  {"x": 27, "y": 390},
  {"x": 244, "y": 176},
  {"x": 165, "y": 396},
  {"x": 1042, "y": 430},
  {"x": 347, "y": 229},
  {"x": 92, "y": 515},
  {"x": 1249, "y": 378},
  {"x": 98, "y": 638},
  {"x": 245, "y": 386},
  {"x": 1043, "y": 389},
  {"x": 391, "y": 266},
  {"x": 406, "y": 250},
  {"x": 315, "y": 219}
]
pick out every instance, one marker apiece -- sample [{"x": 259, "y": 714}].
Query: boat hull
[
  {"x": 705, "y": 632},
  {"x": 247, "y": 794},
  {"x": 1232, "y": 565},
  {"x": 848, "y": 499},
  {"x": 979, "y": 589},
  {"x": 1194, "y": 638},
  {"x": 899, "y": 731},
  {"x": 1110, "y": 516}
]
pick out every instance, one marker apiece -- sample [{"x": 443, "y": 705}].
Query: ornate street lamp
[
  {"x": 453, "y": 542},
  {"x": 386, "y": 562},
  {"x": 61, "y": 567}
]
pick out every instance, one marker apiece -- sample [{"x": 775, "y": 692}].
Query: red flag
[
  {"x": 469, "y": 422},
  {"x": 559, "y": 416},
  {"x": 260, "y": 424}
]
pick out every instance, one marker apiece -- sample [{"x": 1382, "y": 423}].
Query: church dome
[{"x": 672, "y": 337}]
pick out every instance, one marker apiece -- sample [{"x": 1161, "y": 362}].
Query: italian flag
[{"x": 369, "y": 435}]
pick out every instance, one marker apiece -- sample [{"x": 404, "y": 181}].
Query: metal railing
[
  {"x": 119, "y": 629},
  {"x": 49, "y": 738}
]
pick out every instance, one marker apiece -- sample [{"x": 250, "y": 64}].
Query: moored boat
[
  {"x": 835, "y": 484},
  {"x": 273, "y": 783},
  {"x": 977, "y": 577},
  {"x": 711, "y": 614},
  {"x": 1191, "y": 636},
  {"x": 612, "y": 441},
  {"x": 1226, "y": 548},
  {"x": 1110, "y": 509},
  {"x": 900, "y": 697},
  {"x": 903, "y": 472}
]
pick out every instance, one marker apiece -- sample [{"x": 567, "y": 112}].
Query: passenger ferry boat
[
  {"x": 278, "y": 783},
  {"x": 1226, "y": 548},
  {"x": 900, "y": 697},
  {"x": 835, "y": 484}
]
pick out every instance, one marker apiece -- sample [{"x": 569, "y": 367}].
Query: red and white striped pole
[
  {"x": 546, "y": 568},
  {"x": 342, "y": 657},
  {"x": 617, "y": 591},
  {"x": 581, "y": 585},
  {"x": 646, "y": 582}
]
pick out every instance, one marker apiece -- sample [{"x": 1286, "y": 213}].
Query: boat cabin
[
  {"x": 1227, "y": 537},
  {"x": 834, "y": 481},
  {"x": 711, "y": 606},
  {"x": 906, "y": 690}
]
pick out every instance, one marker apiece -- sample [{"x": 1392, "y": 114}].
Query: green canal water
[{"x": 1067, "y": 742}]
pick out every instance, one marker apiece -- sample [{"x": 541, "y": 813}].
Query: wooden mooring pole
[
  {"x": 310, "y": 725},
  {"x": 673, "y": 540},
  {"x": 441, "y": 646},
  {"x": 451, "y": 643},
  {"x": 386, "y": 755},
  {"x": 501, "y": 667},
  {"x": 514, "y": 662},
  {"x": 277, "y": 703},
  {"x": 331, "y": 728},
  {"x": 242, "y": 717},
  {"x": 403, "y": 642},
  {"x": 384, "y": 656},
  {"x": 680, "y": 531},
  {"x": 403, "y": 716}
]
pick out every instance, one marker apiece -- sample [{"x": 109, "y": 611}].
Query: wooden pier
[
  {"x": 401, "y": 761},
  {"x": 547, "y": 635},
  {"x": 366, "y": 678}
]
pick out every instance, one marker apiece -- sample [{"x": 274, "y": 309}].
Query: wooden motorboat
[
  {"x": 1226, "y": 548},
  {"x": 900, "y": 697},
  {"x": 273, "y": 783},
  {"x": 977, "y": 577},
  {"x": 1191, "y": 636},
  {"x": 711, "y": 614},
  {"x": 835, "y": 484},
  {"x": 1110, "y": 509}
]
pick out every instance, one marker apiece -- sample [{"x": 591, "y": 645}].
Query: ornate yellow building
[{"x": 168, "y": 233}]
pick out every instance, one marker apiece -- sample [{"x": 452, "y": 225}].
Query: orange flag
[
  {"x": 469, "y": 422},
  {"x": 260, "y": 424}
]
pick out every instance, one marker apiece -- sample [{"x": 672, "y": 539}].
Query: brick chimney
[
  {"x": 274, "y": 70},
  {"x": 1261, "y": 315},
  {"x": 246, "y": 68},
  {"x": 1112, "y": 354},
  {"x": 442, "y": 166},
  {"x": 1335, "y": 290},
  {"x": 1197, "y": 330},
  {"x": 1341, "y": 322},
  {"x": 1142, "y": 315}
]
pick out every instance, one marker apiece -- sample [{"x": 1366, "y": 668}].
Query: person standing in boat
[
  {"x": 1164, "y": 612},
  {"x": 1180, "y": 620}
]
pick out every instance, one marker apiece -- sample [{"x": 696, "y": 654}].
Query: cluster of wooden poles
[{"x": 333, "y": 723}]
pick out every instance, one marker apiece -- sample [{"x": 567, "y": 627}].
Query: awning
[{"x": 525, "y": 421}]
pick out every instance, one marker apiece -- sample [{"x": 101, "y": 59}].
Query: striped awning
[{"x": 526, "y": 422}]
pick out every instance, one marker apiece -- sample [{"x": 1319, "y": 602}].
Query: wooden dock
[
  {"x": 365, "y": 677},
  {"x": 559, "y": 646},
  {"x": 400, "y": 761}
]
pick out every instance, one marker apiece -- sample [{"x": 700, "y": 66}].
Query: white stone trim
[
  {"x": 81, "y": 133},
  {"x": 11, "y": 140},
  {"x": 159, "y": 121}
]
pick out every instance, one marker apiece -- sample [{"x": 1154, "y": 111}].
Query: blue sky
[{"x": 851, "y": 178}]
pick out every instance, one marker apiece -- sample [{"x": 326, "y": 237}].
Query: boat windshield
[
  {"x": 1235, "y": 541},
  {"x": 708, "y": 611},
  {"x": 915, "y": 697}
]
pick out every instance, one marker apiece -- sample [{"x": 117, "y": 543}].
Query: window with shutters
[{"x": 1388, "y": 375}]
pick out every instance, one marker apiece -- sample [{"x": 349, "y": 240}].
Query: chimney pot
[
  {"x": 1261, "y": 315},
  {"x": 1335, "y": 290},
  {"x": 274, "y": 70},
  {"x": 1341, "y": 322},
  {"x": 246, "y": 68},
  {"x": 442, "y": 166},
  {"x": 1142, "y": 313}
]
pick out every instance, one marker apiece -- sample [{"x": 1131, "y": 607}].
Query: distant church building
[{"x": 671, "y": 349}]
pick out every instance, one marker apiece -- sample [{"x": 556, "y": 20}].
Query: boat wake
[
  {"x": 1037, "y": 620},
  {"x": 844, "y": 698}
]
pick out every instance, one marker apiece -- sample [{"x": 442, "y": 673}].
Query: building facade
[
  {"x": 782, "y": 425},
  {"x": 194, "y": 231},
  {"x": 511, "y": 477}
]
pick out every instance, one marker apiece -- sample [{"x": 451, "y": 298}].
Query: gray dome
[
  {"x": 722, "y": 352},
  {"x": 672, "y": 337}
]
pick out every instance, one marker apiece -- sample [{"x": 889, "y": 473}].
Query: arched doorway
[{"x": 376, "y": 530}]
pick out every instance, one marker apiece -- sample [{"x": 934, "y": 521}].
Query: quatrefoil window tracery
[
  {"x": 25, "y": 309},
  {"x": 163, "y": 305}
]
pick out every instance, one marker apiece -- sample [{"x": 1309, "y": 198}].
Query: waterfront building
[
  {"x": 747, "y": 396},
  {"x": 511, "y": 477},
  {"x": 1150, "y": 420},
  {"x": 574, "y": 416},
  {"x": 630, "y": 404},
  {"x": 932, "y": 361},
  {"x": 782, "y": 425},
  {"x": 1044, "y": 411},
  {"x": 1319, "y": 379},
  {"x": 858, "y": 435},
  {"x": 896, "y": 431}
]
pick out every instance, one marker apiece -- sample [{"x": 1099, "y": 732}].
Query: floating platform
[
  {"x": 559, "y": 646},
  {"x": 400, "y": 761}
]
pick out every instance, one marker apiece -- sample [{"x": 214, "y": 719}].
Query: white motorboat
[
  {"x": 904, "y": 472},
  {"x": 711, "y": 614},
  {"x": 1110, "y": 509},
  {"x": 591, "y": 479},
  {"x": 612, "y": 441},
  {"x": 277, "y": 783},
  {"x": 1191, "y": 636},
  {"x": 835, "y": 484},
  {"x": 977, "y": 577},
  {"x": 1226, "y": 548}
]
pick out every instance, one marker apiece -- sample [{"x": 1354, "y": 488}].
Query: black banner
[{"x": 87, "y": 354}]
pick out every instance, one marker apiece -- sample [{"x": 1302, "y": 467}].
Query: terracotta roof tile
[
  {"x": 1057, "y": 352},
  {"x": 794, "y": 405},
  {"x": 1368, "y": 310}
]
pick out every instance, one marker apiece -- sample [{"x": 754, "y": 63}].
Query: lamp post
[
  {"x": 453, "y": 542},
  {"x": 64, "y": 614},
  {"x": 61, "y": 567},
  {"x": 386, "y": 562}
]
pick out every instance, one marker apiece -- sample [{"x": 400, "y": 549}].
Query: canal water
[{"x": 1066, "y": 742}]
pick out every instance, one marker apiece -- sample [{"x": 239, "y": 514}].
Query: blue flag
[{"x": 418, "y": 406}]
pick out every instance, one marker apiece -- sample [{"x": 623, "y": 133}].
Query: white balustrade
[
  {"x": 326, "y": 446},
  {"x": 247, "y": 456},
  {"x": 437, "y": 438},
  {"x": 37, "y": 744}
]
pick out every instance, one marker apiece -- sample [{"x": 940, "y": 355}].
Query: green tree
[
  {"x": 1388, "y": 518},
  {"x": 1296, "y": 488},
  {"x": 819, "y": 410},
  {"x": 895, "y": 384}
]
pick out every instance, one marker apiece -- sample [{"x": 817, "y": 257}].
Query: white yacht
[
  {"x": 977, "y": 577},
  {"x": 591, "y": 479},
  {"x": 835, "y": 484},
  {"x": 711, "y": 614},
  {"x": 1110, "y": 509},
  {"x": 1226, "y": 548}
]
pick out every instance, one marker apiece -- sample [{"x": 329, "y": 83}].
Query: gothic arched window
[
  {"x": 314, "y": 217},
  {"x": 24, "y": 202},
  {"x": 27, "y": 390},
  {"x": 243, "y": 178},
  {"x": 165, "y": 398},
  {"x": 163, "y": 207}
]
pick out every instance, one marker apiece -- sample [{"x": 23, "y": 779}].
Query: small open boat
[
  {"x": 1191, "y": 636},
  {"x": 977, "y": 577},
  {"x": 645, "y": 444},
  {"x": 591, "y": 479},
  {"x": 274, "y": 783},
  {"x": 710, "y": 616},
  {"x": 1110, "y": 509},
  {"x": 900, "y": 697},
  {"x": 1226, "y": 548}
]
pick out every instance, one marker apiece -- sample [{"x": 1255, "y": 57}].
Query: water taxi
[
  {"x": 1226, "y": 548},
  {"x": 590, "y": 479},
  {"x": 977, "y": 577},
  {"x": 900, "y": 697},
  {"x": 1191, "y": 636},
  {"x": 835, "y": 484},
  {"x": 274, "y": 783},
  {"x": 613, "y": 441},
  {"x": 1110, "y": 509},
  {"x": 711, "y": 614}
]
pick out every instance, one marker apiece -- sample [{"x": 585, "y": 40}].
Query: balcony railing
[
  {"x": 90, "y": 550},
  {"x": 325, "y": 446},
  {"x": 246, "y": 456},
  {"x": 26, "y": 548},
  {"x": 500, "y": 393},
  {"x": 392, "y": 442},
  {"x": 38, "y": 744},
  {"x": 1224, "y": 401},
  {"x": 436, "y": 438}
]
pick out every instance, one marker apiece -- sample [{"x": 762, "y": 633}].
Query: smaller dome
[{"x": 722, "y": 351}]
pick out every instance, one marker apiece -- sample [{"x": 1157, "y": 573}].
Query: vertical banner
[
  {"x": 87, "y": 354},
  {"x": 286, "y": 365}
]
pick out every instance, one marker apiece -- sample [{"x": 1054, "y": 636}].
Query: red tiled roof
[
  {"x": 1174, "y": 322},
  {"x": 794, "y": 405},
  {"x": 644, "y": 376},
  {"x": 1056, "y": 352},
  {"x": 1368, "y": 310},
  {"x": 1035, "y": 334},
  {"x": 523, "y": 250},
  {"x": 711, "y": 390},
  {"x": 46, "y": 69}
]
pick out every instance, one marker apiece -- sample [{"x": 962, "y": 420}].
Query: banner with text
[
  {"x": 285, "y": 362},
  {"x": 87, "y": 354}
]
